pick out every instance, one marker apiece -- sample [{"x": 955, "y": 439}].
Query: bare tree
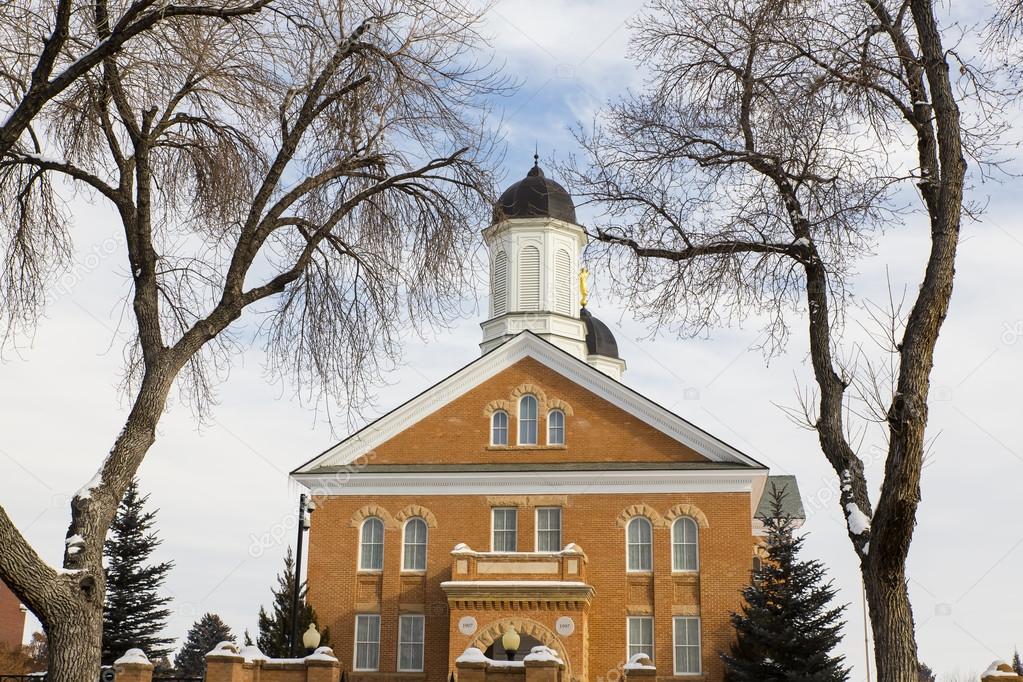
[
  {"x": 758, "y": 164},
  {"x": 321, "y": 166},
  {"x": 45, "y": 48}
]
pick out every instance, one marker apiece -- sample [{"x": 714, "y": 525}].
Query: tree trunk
[
  {"x": 891, "y": 619},
  {"x": 74, "y": 637}
]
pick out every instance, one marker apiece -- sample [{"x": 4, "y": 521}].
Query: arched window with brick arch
[
  {"x": 685, "y": 545},
  {"x": 499, "y": 428},
  {"x": 371, "y": 544},
  {"x": 527, "y": 420},
  {"x": 639, "y": 534},
  {"x": 413, "y": 549}
]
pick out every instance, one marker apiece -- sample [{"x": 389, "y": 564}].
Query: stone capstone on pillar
[
  {"x": 641, "y": 668},
  {"x": 1000, "y": 671}
]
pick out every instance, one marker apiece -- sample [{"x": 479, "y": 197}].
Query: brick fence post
[
  {"x": 1000, "y": 671},
  {"x": 322, "y": 666},
  {"x": 225, "y": 664},
  {"x": 543, "y": 671},
  {"x": 640, "y": 669},
  {"x": 471, "y": 671},
  {"x": 133, "y": 667}
]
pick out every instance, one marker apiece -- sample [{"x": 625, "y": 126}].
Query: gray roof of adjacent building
[{"x": 792, "y": 503}]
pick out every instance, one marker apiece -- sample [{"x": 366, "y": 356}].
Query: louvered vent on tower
[
  {"x": 529, "y": 278},
  {"x": 563, "y": 282},
  {"x": 499, "y": 285}
]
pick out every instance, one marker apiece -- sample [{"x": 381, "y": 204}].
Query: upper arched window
[
  {"x": 563, "y": 282},
  {"x": 499, "y": 285},
  {"x": 527, "y": 420},
  {"x": 371, "y": 545},
  {"x": 685, "y": 551},
  {"x": 555, "y": 427},
  {"x": 529, "y": 278},
  {"x": 499, "y": 428},
  {"x": 413, "y": 549},
  {"x": 639, "y": 544}
]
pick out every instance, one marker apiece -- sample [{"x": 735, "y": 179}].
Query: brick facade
[
  {"x": 12, "y": 619},
  {"x": 595, "y": 521}
]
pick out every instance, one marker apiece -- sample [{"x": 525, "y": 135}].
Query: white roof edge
[{"x": 525, "y": 344}]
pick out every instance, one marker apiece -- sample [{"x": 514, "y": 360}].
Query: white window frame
[
  {"x": 536, "y": 417},
  {"x": 629, "y": 653},
  {"x": 421, "y": 643},
  {"x": 362, "y": 529},
  {"x": 550, "y": 414},
  {"x": 675, "y": 646},
  {"x": 628, "y": 544},
  {"x": 404, "y": 542},
  {"x": 493, "y": 528},
  {"x": 696, "y": 544},
  {"x": 507, "y": 423},
  {"x": 356, "y": 642},
  {"x": 536, "y": 529}
]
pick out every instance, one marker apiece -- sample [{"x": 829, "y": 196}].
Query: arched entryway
[{"x": 531, "y": 634}]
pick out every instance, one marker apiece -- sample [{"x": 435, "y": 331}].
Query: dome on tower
[
  {"x": 599, "y": 339},
  {"x": 535, "y": 196}
]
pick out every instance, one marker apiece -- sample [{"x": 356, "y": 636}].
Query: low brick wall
[{"x": 228, "y": 663}]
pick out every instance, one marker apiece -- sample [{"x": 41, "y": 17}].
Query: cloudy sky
[{"x": 226, "y": 504}]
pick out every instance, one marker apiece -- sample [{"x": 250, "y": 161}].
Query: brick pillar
[
  {"x": 1000, "y": 671},
  {"x": 639, "y": 669},
  {"x": 471, "y": 671},
  {"x": 543, "y": 671},
  {"x": 322, "y": 666},
  {"x": 133, "y": 667},
  {"x": 225, "y": 664}
]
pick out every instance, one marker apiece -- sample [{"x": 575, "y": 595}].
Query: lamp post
[
  {"x": 305, "y": 507},
  {"x": 510, "y": 641},
  {"x": 311, "y": 638}
]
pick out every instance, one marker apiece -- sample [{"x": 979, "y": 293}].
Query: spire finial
[
  {"x": 584, "y": 286},
  {"x": 536, "y": 154}
]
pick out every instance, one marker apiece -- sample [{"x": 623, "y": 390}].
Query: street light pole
[{"x": 293, "y": 639}]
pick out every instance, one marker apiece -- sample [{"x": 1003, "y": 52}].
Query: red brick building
[
  {"x": 12, "y": 619},
  {"x": 532, "y": 490}
]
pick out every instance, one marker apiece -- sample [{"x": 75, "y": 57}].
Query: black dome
[
  {"x": 599, "y": 339},
  {"x": 535, "y": 196}
]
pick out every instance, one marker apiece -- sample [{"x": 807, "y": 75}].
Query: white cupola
[{"x": 535, "y": 245}]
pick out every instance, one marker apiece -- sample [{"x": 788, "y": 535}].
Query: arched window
[
  {"x": 413, "y": 549},
  {"x": 371, "y": 545},
  {"x": 555, "y": 427},
  {"x": 639, "y": 544},
  {"x": 563, "y": 282},
  {"x": 685, "y": 550},
  {"x": 499, "y": 286},
  {"x": 499, "y": 428},
  {"x": 527, "y": 420},
  {"x": 529, "y": 278}
]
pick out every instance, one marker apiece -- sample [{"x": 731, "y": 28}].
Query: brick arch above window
[
  {"x": 533, "y": 390},
  {"x": 559, "y": 404},
  {"x": 690, "y": 510},
  {"x": 645, "y": 510},
  {"x": 414, "y": 510},
  {"x": 363, "y": 513},
  {"x": 498, "y": 405}
]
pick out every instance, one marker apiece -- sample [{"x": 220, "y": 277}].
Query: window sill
[
  {"x": 369, "y": 571},
  {"x": 685, "y": 573},
  {"x": 413, "y": 571}
]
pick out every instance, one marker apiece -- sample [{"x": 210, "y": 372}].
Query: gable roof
[{"x": 526, "y": 344}]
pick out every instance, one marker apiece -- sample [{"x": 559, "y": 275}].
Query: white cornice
[
  {"x": 525, "y": 345},
  {"x": 357, "y": 483}
]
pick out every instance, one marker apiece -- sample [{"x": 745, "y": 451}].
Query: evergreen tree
[
  {"x": 787, "y": 627},
  {"x": 925, "y": 674},
  {"x": 204, "y": 635},
  {"x": 275, "y": 626},
  {"x": 134, "y": 615},
  {"x": 1017, "y": 664}
]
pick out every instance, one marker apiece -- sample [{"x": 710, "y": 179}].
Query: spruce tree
[
  {"x": 1017, "y": 664},
  {"x": 788, "y": 627},
  {"x": 204, "y": 635},
  {"x": 925, "y": 674},
  {"x": 275, "y": 625},
  {"x": 134, "y": 615}
]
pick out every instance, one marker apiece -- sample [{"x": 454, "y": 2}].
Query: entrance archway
[{"x": 528, "y": 629}]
